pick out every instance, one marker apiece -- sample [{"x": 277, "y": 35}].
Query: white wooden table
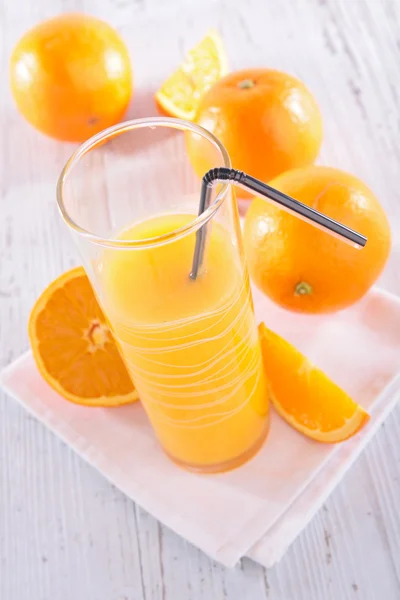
[{"x": 64, "y": 531}]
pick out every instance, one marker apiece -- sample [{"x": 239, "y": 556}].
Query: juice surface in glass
[{"x": 191, "y": 347}]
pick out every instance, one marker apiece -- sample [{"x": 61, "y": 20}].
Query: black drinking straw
[{"x": 223, "y": 174}]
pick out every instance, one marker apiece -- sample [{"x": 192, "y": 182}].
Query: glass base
[{"x": 228, "y": 465}]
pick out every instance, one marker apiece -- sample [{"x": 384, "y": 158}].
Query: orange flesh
[
  {"x": 304, "y": 396},
  {"x": 73, "y": 346},
  {"x": 180, "y": 95}
]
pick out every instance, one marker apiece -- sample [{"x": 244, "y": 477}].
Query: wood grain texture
[{"x": 67, "y": 533}]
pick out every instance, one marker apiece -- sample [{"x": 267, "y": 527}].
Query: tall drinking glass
[{"x": 130, "y": 196}]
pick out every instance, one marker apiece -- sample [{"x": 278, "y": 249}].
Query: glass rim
[{"x": 120, "y": 128}]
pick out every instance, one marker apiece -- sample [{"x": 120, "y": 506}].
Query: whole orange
[
  {"x": 267, "y": 120},
  {"x": 303, "y": 268},
  {"x": 71, "y": 76}
]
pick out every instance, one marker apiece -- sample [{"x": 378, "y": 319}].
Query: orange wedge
[
  {"x": 204, "y": 65},
  {"x": 73, "y": 346},
  {"x": 304, "y": 396}
]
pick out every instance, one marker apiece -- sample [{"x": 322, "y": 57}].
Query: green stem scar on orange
[
  {"x": 246, "y": 84},
  {"x": 303, "y": 289}
]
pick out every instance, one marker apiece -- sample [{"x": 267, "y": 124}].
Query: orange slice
[
  {"x": 73, "y": 346},
  {"x": 204, "y": 65},
  {"x": 304, "y": 396}
]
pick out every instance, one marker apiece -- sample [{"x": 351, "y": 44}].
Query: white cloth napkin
[{"x": 261, "y": 507}]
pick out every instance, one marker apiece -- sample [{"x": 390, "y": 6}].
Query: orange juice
[{"x": 191, "y": 347}]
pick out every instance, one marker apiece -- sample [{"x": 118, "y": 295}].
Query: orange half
[
  {"x": 304, "y": 396},
  {"x": 180, "y": 95},
  {"x": 73, "y": 346}
]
